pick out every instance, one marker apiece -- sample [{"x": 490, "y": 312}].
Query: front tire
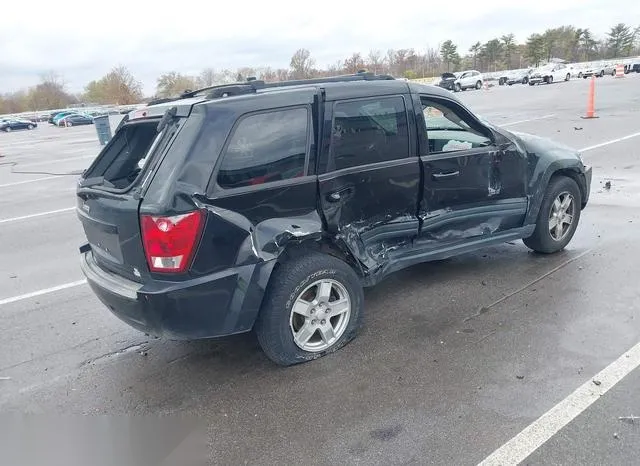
[
  {"x": 550, "y": 80},
  {"x": 558, "y": 217},
  {"x": 457, "y": 87},
  {"x": 312, "y": 307},
  {"x": 568, "y": 77},
  {"x": 8, "y": 129},
  {"x": 479, "y": 85}
]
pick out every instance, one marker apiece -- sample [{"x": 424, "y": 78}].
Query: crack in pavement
[{"x": 485, "y": 309}]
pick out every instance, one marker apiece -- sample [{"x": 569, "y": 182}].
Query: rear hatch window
[{"x": 122, "y": 160}]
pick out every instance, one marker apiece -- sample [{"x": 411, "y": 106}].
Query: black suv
[{"x": 268, "y": 206}]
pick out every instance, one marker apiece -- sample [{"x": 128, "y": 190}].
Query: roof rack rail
[{"x": 252, "y": 85}]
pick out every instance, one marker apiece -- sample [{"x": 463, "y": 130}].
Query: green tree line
[{"x": 120, "y": 87}]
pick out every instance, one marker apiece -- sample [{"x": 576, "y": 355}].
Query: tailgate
[{"x": 112, "y": 228}]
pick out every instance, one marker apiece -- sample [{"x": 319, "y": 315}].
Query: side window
[
  {"x": 369, "y": 131},
  {"x": 266, "y": 147},
  {"x": 447, "y": 130}
]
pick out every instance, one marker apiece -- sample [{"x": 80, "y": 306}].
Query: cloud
[{"x": 83, "y": 41}]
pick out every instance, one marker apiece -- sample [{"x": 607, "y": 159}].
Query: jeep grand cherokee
[{"x": 269, "y": 206}]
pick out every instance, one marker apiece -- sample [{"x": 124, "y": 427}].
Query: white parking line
[
  {"x": 613, "y": 141},
  {"x": 25, "y": 217},
  {"x": 535, "y": 435},
  {"x": 41, "y": 292},
  {"x": 543, "y": 117},
  {"x": 28, "y": 181}
]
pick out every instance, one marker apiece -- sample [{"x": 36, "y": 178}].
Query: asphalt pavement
[{"x": 455, "y": 359}]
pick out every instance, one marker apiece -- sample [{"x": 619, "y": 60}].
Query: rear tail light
[{"x": 170, "y": 242}]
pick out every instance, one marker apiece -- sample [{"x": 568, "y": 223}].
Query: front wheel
[
  {"x": 30, "y": 127},
  {"x": 580, "y": 75},
  {"x": 558, "y": 217},
  {"x": 550, "y": 80},
  {"x": 602, "y": 74},
  {"x": 479, "y": 85},
  {"x": 312, "y": 307},
  {"x": 8, "y": 129},
  {"x": 457, "y": 87},
  {"x": 568, "y": 77}
]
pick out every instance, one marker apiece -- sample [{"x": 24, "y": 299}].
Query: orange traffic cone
[{"x": 591, "y": 111}]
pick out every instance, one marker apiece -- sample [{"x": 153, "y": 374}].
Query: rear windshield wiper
[{"x": 169, "y": 115}]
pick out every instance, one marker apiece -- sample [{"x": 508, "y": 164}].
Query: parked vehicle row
[{"x": 554, "y": 72}]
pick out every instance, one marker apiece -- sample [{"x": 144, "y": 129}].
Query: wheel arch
[
  {"x": 555, "y": 170},
  {"x": 324, "y": 245},
  {"x": 541, "y": 180}
]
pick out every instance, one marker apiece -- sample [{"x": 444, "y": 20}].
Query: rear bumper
[{"x": 216, "y": 305}]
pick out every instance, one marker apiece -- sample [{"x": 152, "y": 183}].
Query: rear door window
[
  {"x": 369, "y": 131},
  {"x": 266, "y": 147}
]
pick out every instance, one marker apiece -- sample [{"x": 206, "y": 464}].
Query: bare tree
[
  {"x": 116, "y": 87},
  {"x": 207, "y": 77},
  {"x": 374, "y": 60},
  {"x": 354, "y": 63},
  {"x": 173, "y": 84},
  {"x": 301, "y": 64}
]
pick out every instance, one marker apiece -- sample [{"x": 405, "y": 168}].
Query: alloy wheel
[
  {"x": 561, "y": 216},
  {"x": 320, "y": 315}
]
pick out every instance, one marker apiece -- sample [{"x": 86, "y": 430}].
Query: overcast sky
[{"x": 82, "y": 40}]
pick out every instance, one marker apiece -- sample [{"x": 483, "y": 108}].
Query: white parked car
[
  {"x": 550, "y": 73},
  {"x": 471, "y": 79}
]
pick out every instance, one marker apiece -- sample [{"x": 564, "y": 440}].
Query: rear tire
[
  {"x": 550, "y": 80},
  {"x": 553, "y": 233},
  {"x": 457, "y": 87},
  {"x": 8, "y": 129},
  {"x": 568, "y": 77},
  {"x": 479, "y": 85},
  {"x": 288, "y": 337},
  {"x": 30, "y": 127}
]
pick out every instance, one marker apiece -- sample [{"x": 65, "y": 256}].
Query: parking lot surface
[{"x": 455, "y": 360}]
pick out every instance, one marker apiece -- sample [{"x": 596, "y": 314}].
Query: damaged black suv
[{"x": 269, "y": 206}]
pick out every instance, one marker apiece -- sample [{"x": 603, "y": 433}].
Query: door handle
[
  {"x": 444, "y": 176},
  {"x": 336, "y": 196}
]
